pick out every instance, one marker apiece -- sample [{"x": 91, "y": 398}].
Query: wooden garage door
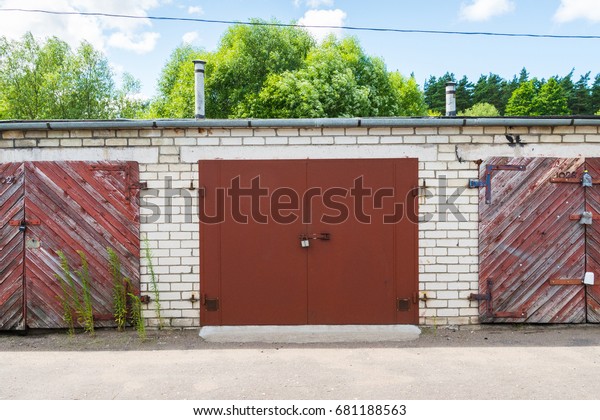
[
  {"x": 69, "y": 207},
  {"x": 533, "y": 250},
  {"x": 357, "y": 217},
  {"x": 12, "y": 242}
]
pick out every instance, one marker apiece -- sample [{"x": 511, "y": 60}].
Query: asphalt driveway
[{"x": 491, "y": 363}]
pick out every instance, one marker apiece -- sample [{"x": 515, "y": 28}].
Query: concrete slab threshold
[{"x": 310, "y": 333}]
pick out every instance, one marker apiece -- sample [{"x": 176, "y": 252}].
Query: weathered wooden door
[
  {"x": 592, "y": 241},
  {"x": 293, "y": 242},
  {"x": 533, "y": 250},
  {"x": 68, "y": 207},
  {"x": 12, "y": 242}
]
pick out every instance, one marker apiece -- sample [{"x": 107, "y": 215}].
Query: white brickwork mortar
[{"x": 448, "y": 240}]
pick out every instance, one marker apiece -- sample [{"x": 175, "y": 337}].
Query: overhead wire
[{"x": 295, "y": 25}]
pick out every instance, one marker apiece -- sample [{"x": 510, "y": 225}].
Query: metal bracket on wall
[
  {"x": 487, "y": 182},
  {"x": 489, "y": 312},
  {"x": 487, "y": 298}
]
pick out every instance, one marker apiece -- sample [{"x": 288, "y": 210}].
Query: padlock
[{"x": 304, "y": 243}]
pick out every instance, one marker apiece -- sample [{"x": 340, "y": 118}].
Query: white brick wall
[{"x": 448, "y": 243}]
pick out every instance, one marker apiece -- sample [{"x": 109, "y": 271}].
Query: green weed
[
  {"x": 126, "y": 304},
  {"x": 76, "y": 306},
  {"x": 153, "y": 283},
  {"x": 120, "y": 287}
]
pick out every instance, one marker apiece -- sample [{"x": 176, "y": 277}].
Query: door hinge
[
  {"x": 135, "y": 188},
  {"x": 518, "y": 314},
  {"x": 485, "y": 297},
  {"x": 487, "y": 182},
  {"x": 489, "y": 312},
  {"x": 143, "y": 185},
  {"x": 109, "y": 167}
]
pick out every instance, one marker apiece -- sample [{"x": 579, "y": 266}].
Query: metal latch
[
  {"x": 305, "y": 239},
  {"x": 572, "y": 178},
  {"x": 22, "y": 224},
  {"x": 588, "y": 279},
  {"x": 585, "y": 218},
  {"x": 586, "y": 179}
]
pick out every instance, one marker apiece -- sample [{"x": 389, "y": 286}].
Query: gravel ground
[
  {"x": 490, "y": 362},
  {"x": 476, "y": 336}
]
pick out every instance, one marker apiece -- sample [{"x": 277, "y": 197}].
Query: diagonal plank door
[
  {"x": 592, "y": 237},
  {"x": 12, "y": 195},
  {"x": 528, "y": 240},
  {"x": 80, "y": 206}
]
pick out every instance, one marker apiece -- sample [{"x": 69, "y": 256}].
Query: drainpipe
[
  {"x": 451, "y": 99},
  {"x": 199, "y": 72}
]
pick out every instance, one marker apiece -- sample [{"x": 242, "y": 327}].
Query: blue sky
[{"x": 141, "y": 47}]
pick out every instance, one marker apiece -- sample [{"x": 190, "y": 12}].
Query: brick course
[{"x": 448, "y": 242}]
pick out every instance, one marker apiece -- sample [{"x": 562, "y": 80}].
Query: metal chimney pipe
[
  {"x": 451, "y": 99},
  {"x": 199, "y": 72}
]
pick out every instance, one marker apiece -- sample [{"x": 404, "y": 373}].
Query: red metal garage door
[
  {"x": 68, "y": 207},
  {"x": 533, "y": 250},
  {"x": 360, "y": 265}
]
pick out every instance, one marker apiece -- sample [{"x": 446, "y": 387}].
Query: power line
[{"x": 292, "y": 25}]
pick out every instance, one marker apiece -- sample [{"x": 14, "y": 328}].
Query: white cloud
[
  {"x": 140, "y": 44},
  {"x": 190, "y": 37},
  {"x": 195, "y": 10},
  {"x": 101, "y": 32},
  {"x": 323, "y": 18},
  {"x": 570, "y": 10},
  {"x": 481, "y": 10},
  {"x": 314, "y": 4}
]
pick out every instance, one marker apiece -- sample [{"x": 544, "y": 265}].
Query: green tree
[
  {"x": 435, "y": 92},
  {"x": 568, "y": 87},
  {"x": 246, "y": 57},
  {"x": 523, "y": 76},
  {"x": 92, "y": 89},
  {"x": 595, "y": 93},
  {"x": 272, "y": 72},
  {"x": 337, "y": 79},
  {"x": 409, "y": 97},
  {"x": 175, "y": 97},
  {"x": 49, "y": 80},
  {"x": 491, "y": 89},
  {"x": 580, "y": 101},
  {"x": 481, "y": 109},
  {"x": 521, "y": 101},
  {"x": 551, "y": 99},
  {"x": 464, "y": 94},
  {"x": 128, "y": 103}
]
